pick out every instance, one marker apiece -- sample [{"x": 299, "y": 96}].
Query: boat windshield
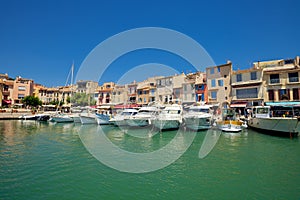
[
  {"x": 171, "y": 112},
  {"x": 145, "y": 111},
  {"x": 128, "y": 113},
  {"x": 262, "y": 110}
]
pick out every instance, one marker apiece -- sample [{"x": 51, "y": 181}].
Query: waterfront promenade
[{"x": 9, "y": 113}]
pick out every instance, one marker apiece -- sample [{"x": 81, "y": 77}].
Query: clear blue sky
[{"x": 41, "y": 39}]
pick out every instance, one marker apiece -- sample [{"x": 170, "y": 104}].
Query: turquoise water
[{"x": 49, "y": 161}]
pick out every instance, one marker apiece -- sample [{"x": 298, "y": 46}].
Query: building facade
[
  {"x": 247, "y": 87},
  {"x": 22, "y": 87},
  {"x": 119, "y": 94},
  {"x": 146, "y": 91},
  {"x": 280, "y": 79},
  {"x": 218, "y": 84},
  {"x": 132, "y": 92},
  {"x": 103, "y": 93},
  {"x": 164, "y": 89}
]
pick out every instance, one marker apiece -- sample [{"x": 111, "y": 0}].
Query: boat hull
[
  {"x": 195, "y": 123},
  {"x": 230, "y": 126},
  {"x": 166, "y": 124},
  {"x": 137, "y": 122},
  {"x": 276, "y": 126},
  {"x": 102, "y": 119},
  {"x": 62, "y": 119},
  {"x": 88, "y": 120}
]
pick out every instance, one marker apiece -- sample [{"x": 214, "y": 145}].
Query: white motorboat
[
  {"x": 120, "y": 118},
  {"x": 61, "y": 118},
  {"x": 198, "y": 117},
  {"x": 39, "y": 117},
  {"x": 170, "y": 117},
  {"x": 88, "y": 118},
  {"x": 102, "y": 119},
  {"x": 75, "y": 117},
  {"x": 275, "y": 120},
  {"x": 143, "y": 117},
  {"x": 229, "y": 122}
]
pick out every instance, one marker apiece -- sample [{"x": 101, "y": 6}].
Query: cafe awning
[
  {"x": 7, "y": 101},
  {"x": 238, "y": 105}
]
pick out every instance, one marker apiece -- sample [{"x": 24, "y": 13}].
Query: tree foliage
[{"x": 32, "y": 101}]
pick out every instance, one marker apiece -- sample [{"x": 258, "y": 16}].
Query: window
[
  {"x": 158, "y": 82},
  {"x": 21, "y": 88},
  {"x": 220, "y": 82},
  {"x": 21, "y": 96},
  {"x": 274, "y": 78},
  {"x": 185, "y": 88},
  {"x": 293, "y": 77},
  {"x": 253, "y": 76},
  {"x": 213, "y": 95},
  {"x": 213, "y": 83},
  {"x": 295, "y": 94},
  {"x": 145, "y": 100},
  {"x": 246, "y": 93},
  {"x": 219, "y": 69},
  {"x": 271, "y": 95},
  {"x": 212, "y": 71},
  {"x": 177, "y": 93},
  {"x": 152, "y": 92},
  {"x": 283, "y": 94},
  {"x": 238, "y": 77},
  {"x": 140, "y": 92},
  {"x": 225, "y": 88}
]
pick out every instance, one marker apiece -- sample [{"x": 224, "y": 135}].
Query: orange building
[{"x": 21, "y": 88}]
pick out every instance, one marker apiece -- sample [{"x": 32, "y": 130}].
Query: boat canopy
[{"x": 283, "y": 103}]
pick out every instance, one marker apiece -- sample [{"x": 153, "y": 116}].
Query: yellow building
[
  {"x": 280, "y": 79},
  {"x": 247, "y": 87}
]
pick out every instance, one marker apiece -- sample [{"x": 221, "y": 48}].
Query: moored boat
[
  {"x": 169, "y": 118},
  {"x": 88, "y": 118},
  {"x": 120, "y": 118},
  {"x": 198, "y": 117},
  {"x": 61, "y": 118},
  {"x": 229, "y": 121},
  {"x": 275, "y": 120},
  {"x": 143, "y": 117},
  {"x": 102, "y": 119}
]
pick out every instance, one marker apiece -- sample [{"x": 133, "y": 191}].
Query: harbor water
[{"x": 41, "y": 160}]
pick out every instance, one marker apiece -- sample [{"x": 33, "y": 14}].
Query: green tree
[
  {"x": 32, "y": 101},
  {"x": 68, "y": 99}
]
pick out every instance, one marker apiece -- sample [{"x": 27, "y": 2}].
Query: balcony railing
[{"x": 275, "y": 80}]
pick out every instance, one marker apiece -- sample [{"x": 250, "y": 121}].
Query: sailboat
[{"x": 62, "y": 117}]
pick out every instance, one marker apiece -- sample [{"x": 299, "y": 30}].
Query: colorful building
[
  {"x": 218, "y": 83},
  {"x": 104, "y": 93}
]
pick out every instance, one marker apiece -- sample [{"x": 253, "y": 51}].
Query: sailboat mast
[{"x": 72, "y": 73}]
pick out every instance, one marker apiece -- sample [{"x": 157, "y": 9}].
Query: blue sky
[{"x": 41, "y": 39}]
